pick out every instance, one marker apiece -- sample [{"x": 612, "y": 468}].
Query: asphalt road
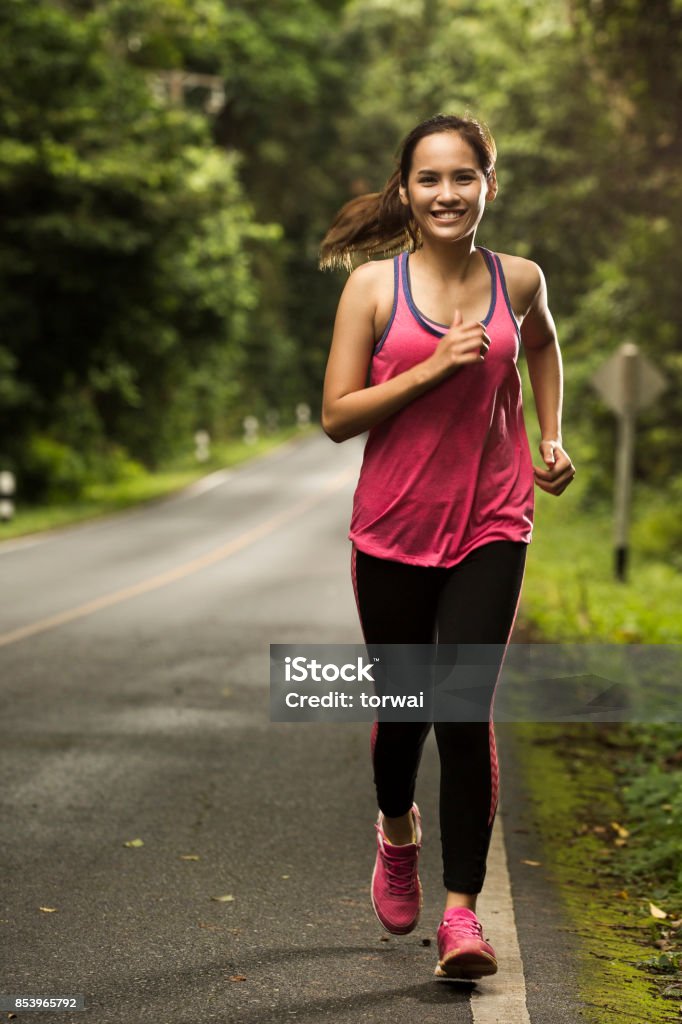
[{"x": 134, "y": 689}]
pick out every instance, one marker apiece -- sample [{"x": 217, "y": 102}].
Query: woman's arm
[
  {"x": 349, "y": 407},
  {"x": 545, "y": 370}
]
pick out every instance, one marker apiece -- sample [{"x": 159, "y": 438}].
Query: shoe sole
[
  {"x": 466, "y": 967},
  {"x": 397, "y": 931}
]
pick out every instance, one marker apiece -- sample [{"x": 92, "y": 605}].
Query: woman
[{"x": 443, "y": 510}]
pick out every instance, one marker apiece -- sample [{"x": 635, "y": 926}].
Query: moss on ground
[{"x": 571, "y": 773}]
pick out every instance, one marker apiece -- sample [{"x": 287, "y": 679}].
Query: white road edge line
[{"x": 500, "y": 999}]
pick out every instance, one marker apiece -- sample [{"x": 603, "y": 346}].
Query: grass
[
  {"x": 628, "y": 959},
  {"x": 570, "y": 592}
]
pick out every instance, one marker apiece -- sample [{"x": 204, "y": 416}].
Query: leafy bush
[{"x": 50, "y": 471}]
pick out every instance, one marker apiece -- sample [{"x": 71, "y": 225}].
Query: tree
[{"x": 126, "y": 255}]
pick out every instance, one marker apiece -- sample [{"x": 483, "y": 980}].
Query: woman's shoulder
[
  {"x": 524, "y": 279},
  {"x": 373, "y": 289},
  {"x": 373, "y": 271},
  {"x": 369, "y": 290},
  {"x": 373, "y": 281}
]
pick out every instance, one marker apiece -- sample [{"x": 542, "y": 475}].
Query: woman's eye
[{"x": 461, "y": 180}]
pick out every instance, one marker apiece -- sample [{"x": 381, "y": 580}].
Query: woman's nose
[{"x": 447, "y": 192}]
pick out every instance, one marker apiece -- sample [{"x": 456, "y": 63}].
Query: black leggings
[{"x": 474, "y": 602}]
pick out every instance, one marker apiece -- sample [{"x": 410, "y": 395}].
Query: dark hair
[{"x": 377, "y": 223}]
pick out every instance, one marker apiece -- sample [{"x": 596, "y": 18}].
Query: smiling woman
[{"x": 443, "y": 510}]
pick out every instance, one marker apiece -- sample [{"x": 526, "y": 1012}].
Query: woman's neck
[{"x": 447, "y": 260}]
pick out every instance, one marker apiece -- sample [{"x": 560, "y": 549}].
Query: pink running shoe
[
  {"x": 396, "y": 889},
  {"x": 463, "y": 951}
]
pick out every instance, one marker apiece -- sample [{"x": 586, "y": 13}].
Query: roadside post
[
  {"x": 627, "y": 382},
  {"x": 7, "y": 488},
  {"x": 302, "y": 414},
  {"x": 250, "y": 426},
  {"x": 202, "y": 441}
]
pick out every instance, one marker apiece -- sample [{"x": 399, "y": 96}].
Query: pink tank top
[{"x": 451, "y": 470}]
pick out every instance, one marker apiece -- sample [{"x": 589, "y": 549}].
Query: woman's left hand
[{"x": 559, "y": 471}]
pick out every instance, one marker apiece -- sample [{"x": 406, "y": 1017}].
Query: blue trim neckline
[
  {"x": 503, "y": 282},
  {"x": 382, "y": 339}
]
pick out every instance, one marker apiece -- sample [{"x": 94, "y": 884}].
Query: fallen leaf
[
  {"x": 657, "y": 912},
  {"x": 134, "y": 842},
  {"x": 384, "y": 938},
  {"x": 224, "y": 899},
  {"x": 48, "y": 910},
  {"x": 189, "y": 856},
  {"x": 622, "y": 832},
  {"x": 238, "y": 977},
  {"x": 620, "y": 842},
  {"x": 533, "y": 863},
  {"x": 598, "y": 828},
  {"x": 285, "y": 876},
  {"x": 623, "y": 894}
]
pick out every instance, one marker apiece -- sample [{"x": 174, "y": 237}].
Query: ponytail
[{"x": 376, "y": 224}]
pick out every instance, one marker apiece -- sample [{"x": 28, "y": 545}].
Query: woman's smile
[{"x": 447, "y": 215}]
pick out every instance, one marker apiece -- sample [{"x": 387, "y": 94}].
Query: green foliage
[
  {"x": 570, "y": 592},
  {"x": 657, "y": 530},
  {"x": 652, "y": 797},
  {"x": 664, "y": 963},
  {"x": 633, "y": 296},
  {"x": 51, "y": 471},
  {"x": 127, "y": 251}
]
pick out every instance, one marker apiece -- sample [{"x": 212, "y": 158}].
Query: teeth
[{"x": 450, "y": 215}]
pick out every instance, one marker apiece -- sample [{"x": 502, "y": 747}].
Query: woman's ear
[
  {"x": 402, "y": 192},
  {"x": 492, "y": 187}
]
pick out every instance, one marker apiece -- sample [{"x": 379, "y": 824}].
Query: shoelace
[
  {"x": 465, "y": 924},
  {"x": 400, "y": 874}
]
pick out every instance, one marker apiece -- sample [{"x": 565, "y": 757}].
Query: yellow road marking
[{"x": 180, "y": 571}]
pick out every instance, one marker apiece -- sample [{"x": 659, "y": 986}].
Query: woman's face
[{"x": 446, "y": 188}]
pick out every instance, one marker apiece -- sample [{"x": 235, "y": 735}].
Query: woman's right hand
[{"x": 463, "y": 344}]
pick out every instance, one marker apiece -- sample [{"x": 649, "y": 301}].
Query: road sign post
[{"x": 627, "y": 382}]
